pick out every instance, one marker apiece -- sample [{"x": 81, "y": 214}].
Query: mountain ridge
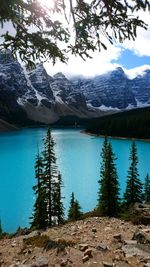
[{"x": 45, "y": 99}]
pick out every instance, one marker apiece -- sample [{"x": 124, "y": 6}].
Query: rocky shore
[{"x": 93, "y": 242}]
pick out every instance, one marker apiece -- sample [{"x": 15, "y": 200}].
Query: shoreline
[
  {"x": 116, "y": 137},
  {"x": 82, "y": 132}
]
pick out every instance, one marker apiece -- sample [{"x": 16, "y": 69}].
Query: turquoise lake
[{"x": 78, "y": 159}]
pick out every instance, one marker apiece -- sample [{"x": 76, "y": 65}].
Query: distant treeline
[
  {"x": 134, "y": 123},
  {"x": 71, "y": 121}
]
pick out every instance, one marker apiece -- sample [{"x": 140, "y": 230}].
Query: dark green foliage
[
  {"x": 57, "y": 207},
  {"x": 134, "y": 123},
  {"x": 132, "y": 215},
  {"x": 147, "y": 189},
  {"x": 72, "y": 200},
  {"x": 40, "y": 218},
  {"x": 50, "y": 173},
  {"x": 108, "y": 195},
  {"x": 134, "y": 187},
  {"x": 74, "y": 212},
  {"x": 90, "y": 22},
  {"x": 48, "y": 208}
]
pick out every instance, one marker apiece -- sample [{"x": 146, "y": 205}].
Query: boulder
[
  {"x": 40, "y": 262},
  {"x": 139, "y": 250},
  {"x": 85, "y": 258},
  {"x": 146, "y": 264},
  {"x": 94, "y": 230},
  {"x": 64, "y": 263},
  {"x": 102, "y": 247},
  {"x": 118, "y": 237},
  {"x": 142, "y": 207},
  {"x": 121, "y": 264},
  {"x": 108, "y": 264},
  {"x": 83, "y": 247},
  {"x": 142, "y": 236},
  {"x": 88, "y": 252},
  {"x": 32, "y": 234},
  {"x": 130, "y": 242}
]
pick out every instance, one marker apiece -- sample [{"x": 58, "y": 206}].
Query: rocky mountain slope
[
  {"x": 39, "y": 97},
  {"x": 114, "y": 90},
  {"x": 93, "y": 242}
]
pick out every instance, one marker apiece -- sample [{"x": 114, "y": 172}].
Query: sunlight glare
[{"x": 47, "y": 3}]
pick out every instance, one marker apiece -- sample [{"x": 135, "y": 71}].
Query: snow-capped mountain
[
  {"x": 140, "y": 87},
  {"x": 114, "y": 90},
  {"x": 43, "y": 98}
]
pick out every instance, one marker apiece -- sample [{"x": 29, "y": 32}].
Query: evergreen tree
[
  {"x": 108, "y": 194},
  {"x": 72, "y": 201},
  {"x": 48, "y": 208},
  {"x": 50, "y": 173},
  {"x": 147, "y": 189},
  {"x": 74, "y": 212},
  {"x": 103, "y": 167},
  {"x": 57, "y": 206},
  {"x": 133, "y": 192},
  {"x": 39, "y": 218}
]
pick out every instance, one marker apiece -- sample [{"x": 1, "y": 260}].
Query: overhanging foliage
[{"x": 88, "y": 22}]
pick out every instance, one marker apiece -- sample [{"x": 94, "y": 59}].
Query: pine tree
[
  {"x": 50, "y": 172},
  {"x": 57, "y": 206},
  {"x": 133, "y": 192},
  {"x": 39, "y": 218},
  {"x": 48, "y": 208},
  {"x": 74, "y": 212},
  {"x": 147, "y": 189},
  {"x": 103, "y": 167},
  {"x": 108, "y": 194},
  {"x": 72, "y": 201}
]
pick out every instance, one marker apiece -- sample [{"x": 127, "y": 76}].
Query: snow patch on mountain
[
  {"x": 139, "y": 71},
  {"x": 142, "y": 105},
  {"x": 45, "y": 98}
]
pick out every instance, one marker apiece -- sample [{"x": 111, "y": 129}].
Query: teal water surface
[{"x": 78, "y": 158}]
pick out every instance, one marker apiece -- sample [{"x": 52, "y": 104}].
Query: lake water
[{"x": 78, "y": 158}]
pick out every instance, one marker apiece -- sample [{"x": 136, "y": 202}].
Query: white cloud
[
  {"x": 132, "y": 73},
  {"x": 141, "y": 45},
  {"x": 100, "y": 63}
]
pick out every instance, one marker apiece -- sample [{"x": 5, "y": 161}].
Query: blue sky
[
  {"x": 131, "y": 60},
  {"x": 131, "y": 55},
  {"x": 128, "y": 59}
]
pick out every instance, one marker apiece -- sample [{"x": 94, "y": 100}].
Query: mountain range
[
  {"x": 35, "y": 96},
  {"x": 114, "y": 90}
]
